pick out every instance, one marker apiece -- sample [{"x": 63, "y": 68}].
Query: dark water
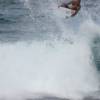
[{"x": 14, "y": 20}]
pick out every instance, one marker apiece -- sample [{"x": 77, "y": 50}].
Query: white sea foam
[{"x": 59, "y": 68}]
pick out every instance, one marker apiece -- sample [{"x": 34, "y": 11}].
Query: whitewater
[{"x": 44, "y": 56}]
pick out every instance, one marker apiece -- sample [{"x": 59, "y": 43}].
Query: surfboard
[{"x": 64, "y": 12}]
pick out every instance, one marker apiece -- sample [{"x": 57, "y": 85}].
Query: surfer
[{"x": 74, "y": 5}]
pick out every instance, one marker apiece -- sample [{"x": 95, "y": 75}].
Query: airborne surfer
[{"x": 74, "y": 5}]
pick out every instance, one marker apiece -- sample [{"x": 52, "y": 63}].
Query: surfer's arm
[
  {"x": 76, "y": 11},
  {"x": 65, "y": 5}
]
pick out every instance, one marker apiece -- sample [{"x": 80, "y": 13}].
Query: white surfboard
[{"x": 63, "y": 12}]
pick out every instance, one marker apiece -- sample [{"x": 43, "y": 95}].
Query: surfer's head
[{"x": 75, "y": 2}]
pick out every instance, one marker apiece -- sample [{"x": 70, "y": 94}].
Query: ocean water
[{"x": 45, "y": 56}]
